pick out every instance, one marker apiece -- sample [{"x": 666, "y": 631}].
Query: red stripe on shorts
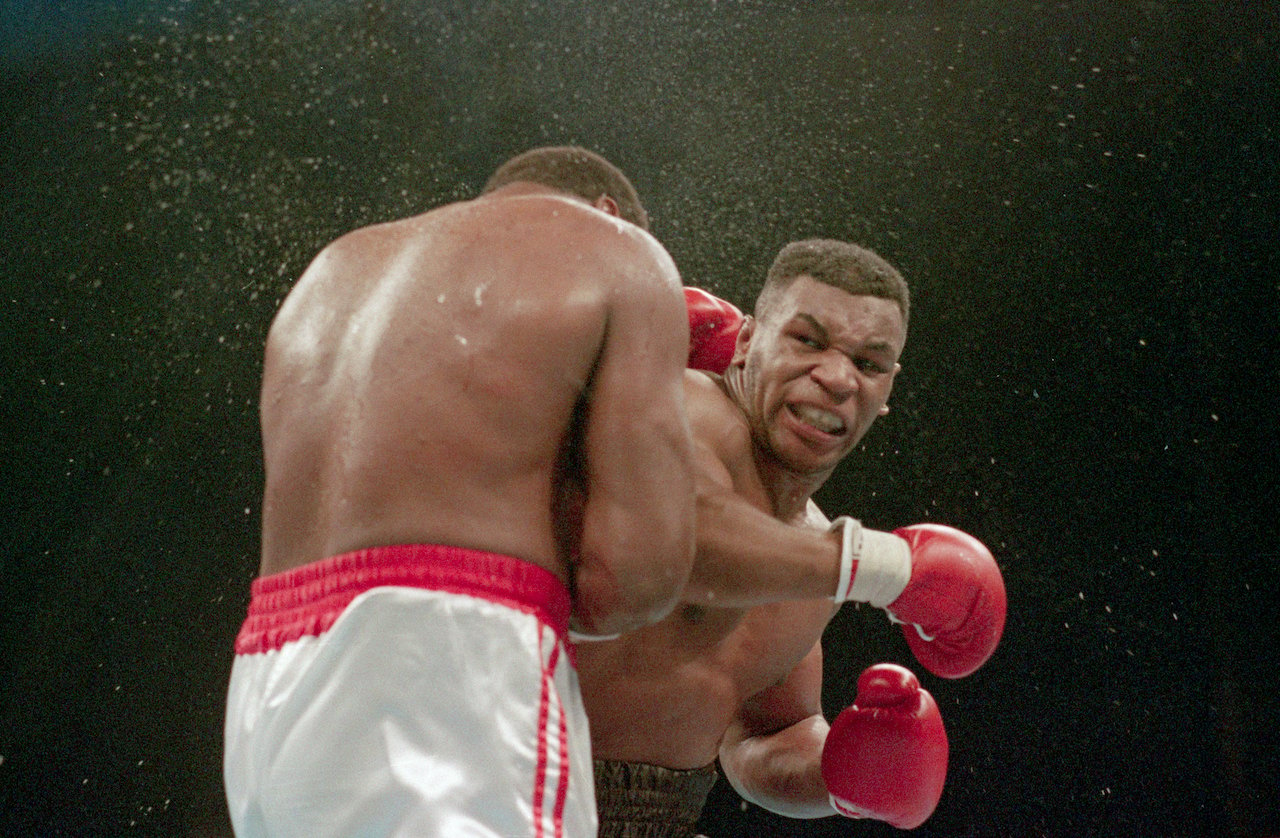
[
  {"x": 307, "y": 600},
  {"x": 562, "y": 788}
]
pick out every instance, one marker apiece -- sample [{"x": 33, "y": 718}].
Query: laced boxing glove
[
  {"x": 886, "y": 755},
  {"x": 713, "y": 330},
  {"x": 942, "y": 584}
]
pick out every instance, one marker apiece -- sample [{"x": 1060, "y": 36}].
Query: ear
[
  {"x": 606, "y": 204},
  {"x": 884, "y": 409},
  {"x": 743, "y": 340}
]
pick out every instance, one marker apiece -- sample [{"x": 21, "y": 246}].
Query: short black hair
[
  {"x": 843, "y": 265},
  {"x": 575, "y": 170}
]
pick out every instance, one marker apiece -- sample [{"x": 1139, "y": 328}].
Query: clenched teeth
[{"x": 823, "y": 420}]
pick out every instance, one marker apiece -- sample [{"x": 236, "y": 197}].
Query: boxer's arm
[
  {"x": 746, "y": 557},
  {"x": 636, "y": 546},
  {"x": 772, "y": 752}
]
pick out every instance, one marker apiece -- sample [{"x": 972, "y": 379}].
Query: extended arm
[
  {"x": 942, "y": 584},
  {"x": 747, "y": 558}
]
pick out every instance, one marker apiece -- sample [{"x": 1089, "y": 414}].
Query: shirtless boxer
[
  {"x": 735, "y": 671},
  {"x": 431, "y": 387}
]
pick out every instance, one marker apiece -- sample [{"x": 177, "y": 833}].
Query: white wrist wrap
[{"x": 883, "y": 564}]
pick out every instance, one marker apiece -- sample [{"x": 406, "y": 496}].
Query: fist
[
  {"x": 955, "y": 602},
  {"x": 713, "y": 330},
  {"x": 885, "y": 756}
]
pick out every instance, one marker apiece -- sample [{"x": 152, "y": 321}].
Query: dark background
[{"x": 1082, "y": 194}]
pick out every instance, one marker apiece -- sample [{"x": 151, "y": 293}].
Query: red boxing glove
[
  {"x": 886, "y": 755},
  {"x": 942, "y": 583},
  {"x": 955, "y": 603},
  {"x": 713, "y": 330}
]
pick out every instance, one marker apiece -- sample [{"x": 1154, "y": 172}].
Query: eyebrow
[
  {"x": 813, "y": 321},
  {"x": 877, "y": 346}
]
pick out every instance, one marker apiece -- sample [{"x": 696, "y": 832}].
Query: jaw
[
  {"x": 822, "y": 432},
  {"x": 804, "y": 450}
]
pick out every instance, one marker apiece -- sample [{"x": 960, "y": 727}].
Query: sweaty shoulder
[
  {"x": 595, "y": 234},
  {"x": 717, "y": 423}
]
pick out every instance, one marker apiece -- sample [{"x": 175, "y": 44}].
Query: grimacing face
[{"x": 818, "y": 371}]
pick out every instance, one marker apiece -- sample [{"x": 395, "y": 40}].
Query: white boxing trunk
[{"x": 408, "y": 691}]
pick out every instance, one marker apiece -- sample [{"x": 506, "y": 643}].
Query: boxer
[
  {"x": 735, "y": 672},
  {"x": 437, "y": 393}
]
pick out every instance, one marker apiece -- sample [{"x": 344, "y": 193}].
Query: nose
[{"x": 836, "y": 373}]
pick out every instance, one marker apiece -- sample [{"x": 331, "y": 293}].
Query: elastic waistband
[
  {"x": 637, "y": 800},
  {"x": 307, "y": 600}
]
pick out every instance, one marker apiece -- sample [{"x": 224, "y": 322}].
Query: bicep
[
  {"x": 636, "y": 398},
  {"x": 797, "y": 697},
  {"x": 746, "y": 556},
  {"x": 772, "y": 752},
  {"x": 636, "y": 542}
]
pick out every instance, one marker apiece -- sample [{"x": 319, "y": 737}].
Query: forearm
[
  {"x": 627, "y": 582},
  {"x": 636, "y": 451},
  {"x": 781, "y": 771},
  {"x": 747, "y": 558},
  {"x": 636, "y": 546}
]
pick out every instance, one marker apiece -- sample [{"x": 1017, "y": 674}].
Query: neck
[{"x": 789, "y": 491}]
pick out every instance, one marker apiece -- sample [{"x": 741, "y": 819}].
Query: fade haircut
[
  {"x": 842, "y": 265},
  {"x": 574, "y": 170}
]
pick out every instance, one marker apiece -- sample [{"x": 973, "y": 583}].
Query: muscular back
[{"x": 426, "y": 380}]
